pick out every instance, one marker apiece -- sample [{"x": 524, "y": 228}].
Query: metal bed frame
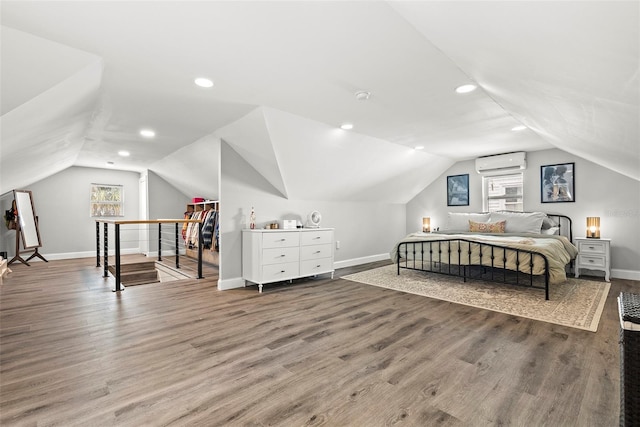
[{"x": 485, "y": 270}]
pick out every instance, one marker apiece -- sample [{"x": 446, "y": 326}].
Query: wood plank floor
[{"x": 319, "y": 352}]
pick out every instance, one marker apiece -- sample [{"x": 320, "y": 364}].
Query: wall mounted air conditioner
[{"x": 502, "y": 162}]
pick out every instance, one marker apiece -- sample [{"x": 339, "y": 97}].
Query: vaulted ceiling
[{"x": 80, "y": 79}]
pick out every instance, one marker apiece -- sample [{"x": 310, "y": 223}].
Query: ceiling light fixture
[
  {"x": 347, "y": 126},
  {"x": 147, "y": 133},
  {"x": 203, "y": 82},
  {"x": 123, "y": 153},
  {"x": 466, "y": 88},
  {"x": 518, "y": 128},
  {"x": 363, "y": 95}
]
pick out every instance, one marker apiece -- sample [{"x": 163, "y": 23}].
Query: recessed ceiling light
[
  {"x": 123, "y": 153},
  {"x": 147, "y": 133},
  {"x": 347, "y": 126},
  {"x": 363, "y": 95},
  {"x": 419, "y": 147},
  {"x": 517, "y": 128},
  {"x": 466, "y": 88},
  {"x": 203, "y": 82}
]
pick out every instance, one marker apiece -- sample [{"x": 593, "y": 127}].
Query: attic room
[{"x": 349, "y": 109}]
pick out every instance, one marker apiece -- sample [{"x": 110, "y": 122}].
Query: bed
[{"x": 530, "y": 249}]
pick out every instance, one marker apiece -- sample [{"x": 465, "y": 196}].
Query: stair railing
[{"x": 117, "y": 223}]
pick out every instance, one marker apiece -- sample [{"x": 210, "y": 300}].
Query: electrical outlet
[{"x": 337, "y": 244}]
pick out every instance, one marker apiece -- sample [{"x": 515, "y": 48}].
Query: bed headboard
[{"x": 565, "y": 224}]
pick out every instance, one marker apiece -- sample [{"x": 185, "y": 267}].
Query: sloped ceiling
[
  {"x": 567, "y": 70},
  {"x": 80, "y": 79}
]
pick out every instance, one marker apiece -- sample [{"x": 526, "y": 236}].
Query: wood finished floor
[{"x": 319, "y": 352}]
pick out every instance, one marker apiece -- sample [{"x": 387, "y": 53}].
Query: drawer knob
[
  {"x": 316, "y": 238},
  {"x": 282, "y": 271},
  {"x": 318, "y": 252},
  {"x": 591, "y": 261},
  {"x": 591, "y": 247},
  {"x": 282, "y": 256}
]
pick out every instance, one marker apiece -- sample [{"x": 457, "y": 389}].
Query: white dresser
[
  {"x": 270, "y": 256},
  {"x": 593, "y": 254}
]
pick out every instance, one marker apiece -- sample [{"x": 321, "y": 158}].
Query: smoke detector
[{"x": 363, "y": 95}]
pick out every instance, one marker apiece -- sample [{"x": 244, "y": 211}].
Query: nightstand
[{"x": 593, "y": 254}]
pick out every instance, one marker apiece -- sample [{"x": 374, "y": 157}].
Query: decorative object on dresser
[
  {"x": 593, "y": 255},
  {"x": 270, "y": 256},
  {"x": 593, "y": 227},
  {"x": 313, "y": 219}
]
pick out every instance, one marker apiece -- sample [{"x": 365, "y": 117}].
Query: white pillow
[
  {"x": 460, "y": 221},
  {"x": 550, "y": 231},
  {"x": 520, "y": 222},
  {"x": 548, "y": 223}
]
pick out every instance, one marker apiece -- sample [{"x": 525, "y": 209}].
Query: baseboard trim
[
  {"x": 226, "y": 284},
  {"x": 625, "y": 274},
  {"x": 359, "y": 261}
]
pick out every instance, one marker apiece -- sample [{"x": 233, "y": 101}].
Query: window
[
  {"x": 503, "y": 192},
  {"x": 107, "y": 200}
]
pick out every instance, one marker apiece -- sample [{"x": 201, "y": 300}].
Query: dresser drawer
[
  {"x": 316, "y": 266},
  {"x": 316, "y": 237},
  {"x": 280, "y": 255},
  {"x": 594, "y": 247},
  {"x": 280, "y": 240},
  {"x": 278, "y": 272},
  {"x": 587, "y": 261},
  {"x": 315, "y": 252}
]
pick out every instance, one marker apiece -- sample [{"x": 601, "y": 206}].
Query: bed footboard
[{"x": 476, "y": 260}]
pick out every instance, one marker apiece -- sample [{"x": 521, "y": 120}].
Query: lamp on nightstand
[
  {"x": 426, "y": 224},
  {"x": 593, "y": 227}
]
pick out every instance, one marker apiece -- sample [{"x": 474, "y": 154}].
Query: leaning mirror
[{"x": 27, "y": 219}]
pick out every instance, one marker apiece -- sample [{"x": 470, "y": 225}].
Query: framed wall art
[
  {"x": 557, "y": 183},
  {"x": 458, "y": 190}
]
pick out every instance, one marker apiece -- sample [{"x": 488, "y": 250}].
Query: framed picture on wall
[
  {"x": 458, "y": 190},
  {"x": 557, "y": 183}
]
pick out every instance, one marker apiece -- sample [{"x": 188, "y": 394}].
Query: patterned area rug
[{"x": 577, "y": 303}]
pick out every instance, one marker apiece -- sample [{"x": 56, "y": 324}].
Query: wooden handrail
[{"x": 148, "y": 221}]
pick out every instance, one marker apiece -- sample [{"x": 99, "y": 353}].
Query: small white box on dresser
[
  {"x": 270, "y": 255},
  {"x": 593, "y": 254}
]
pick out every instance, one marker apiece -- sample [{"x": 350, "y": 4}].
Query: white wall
[
  {"x": 366, "y": 231},
  {"x": 165, "y": 202},
  {"x": 61, "y": 203},
  {"x": 601, "y": 192}
]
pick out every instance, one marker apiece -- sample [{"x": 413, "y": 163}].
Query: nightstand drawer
[
  {"x": 592, "y": 247},
  {"x": 587, "y": 261}
]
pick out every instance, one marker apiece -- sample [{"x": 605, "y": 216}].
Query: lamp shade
[
  {"x": 593, "y": 227},
  {"x": 426, "y": 224}
]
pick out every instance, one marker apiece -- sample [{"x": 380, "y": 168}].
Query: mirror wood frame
[{"x": 27, "y": 219}]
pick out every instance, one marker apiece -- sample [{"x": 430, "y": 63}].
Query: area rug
[{"x": 577, "y": 303}]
